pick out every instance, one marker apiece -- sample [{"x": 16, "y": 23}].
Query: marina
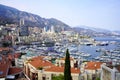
[
  {"x": 59, "y": 40},
  {"x": 92, "y": 52}
]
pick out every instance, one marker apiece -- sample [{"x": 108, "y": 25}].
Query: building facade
[
  {"x": 110, "y": 72},
  {"x": 39, "y": 69}
]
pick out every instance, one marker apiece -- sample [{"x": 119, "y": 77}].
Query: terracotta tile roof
[
  {"x": 4, "y": 66},
  {"x": 38, "y": 62},
  {"x": 10, "y": 57},
  {"x": 3, "y": 59},
  {"x": 61, "y": 69},
  {"x": 5, "y": 49},
  {"x": 93, "y": 65},
  {"x": 13, "y": 56},
  {"x": 17, "y": 55},
  {"x": 55, "y": 69},
  {"x": 14, "y": 71},
  {"x": 38, "y": 57},
  {"x": 75, "y": 70},
  {"x": 4, "y": 69}
]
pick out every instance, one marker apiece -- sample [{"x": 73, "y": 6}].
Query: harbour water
[
  {"x": 87, "y": 52},
  {"x": 108, "y": 38},
  {"x": 113, "y": 44}
]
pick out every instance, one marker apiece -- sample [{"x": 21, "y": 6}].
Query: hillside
[
  {"x": 9, "y": 15},
  {"x": 12, "y": 15}
]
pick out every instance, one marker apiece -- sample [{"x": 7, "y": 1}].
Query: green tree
[
  {"x": 60, "y": 77},
  {"x": 67, "y": 69},
  {"x": 97, "y": 78},
  {"x": 40, "y": 68}
]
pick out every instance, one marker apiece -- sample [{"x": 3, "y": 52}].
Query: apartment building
[
  {"x": 39, "y": 69},
  {"x": 90, "y": 70},
  {"x": 110, "y": 72}
]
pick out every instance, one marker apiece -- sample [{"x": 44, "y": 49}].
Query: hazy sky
[{"x": 95, "y": 13}]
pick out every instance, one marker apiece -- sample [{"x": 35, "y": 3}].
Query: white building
[
  {"x": 90, "y": 70},
  {"x": 110, "y": 72},
  {"x": 39, "y": 69}
]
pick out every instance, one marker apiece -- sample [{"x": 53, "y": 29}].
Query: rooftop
[
  {"x": 39, "y": 62},
  {"x": 14, "y": 70},
  {"x": 5, "y": 49},
  {"x": 61, "y": 69},
  {"x": 93, "y": 65},
  {"x": 38, "y": 57},
  {"x": 13, "y": 56},
  {"x": 6, "y": 68}
]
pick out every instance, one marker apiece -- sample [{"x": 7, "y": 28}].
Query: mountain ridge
[
  {"x": 10, "y": 15},
  {"x": 13, "y": 16},
  {"x": 94, "y": 29}
]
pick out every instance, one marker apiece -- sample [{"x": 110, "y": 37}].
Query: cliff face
[{"x": 12, "y": 15}]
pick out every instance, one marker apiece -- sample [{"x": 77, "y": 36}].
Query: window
[{"x": 43, "y": 77}]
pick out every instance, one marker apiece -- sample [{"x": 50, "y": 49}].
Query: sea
[
  {"x": 92, "y": 49},
  {"x": 114, "y": 43}
]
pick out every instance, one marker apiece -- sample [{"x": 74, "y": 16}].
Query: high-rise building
[
  {"x": 23, "y": 30},
  {"x": 52, "y": 29},
  {"x": 21, "y": 22}
]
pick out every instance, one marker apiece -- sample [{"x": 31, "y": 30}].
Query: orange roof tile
[
  {"x": 10, "y": 57},
  {"x": 14, "y": 71},
  {"x": 61, "y": 69},
  {"x": 93, "y": 65},
  {"x": 5, "y": 49},
  {"x": 13, "y": 56},
  {"x": 4, "y": 69},
  {"x": 4, "y": 59},
  {"x": 4, "y": 66},
  {"x": 38, "y": 57},
  {"x": 17, "y": 55},
  {"x": 55, "y": 69},
  {"x": 38, "y": 62}
]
